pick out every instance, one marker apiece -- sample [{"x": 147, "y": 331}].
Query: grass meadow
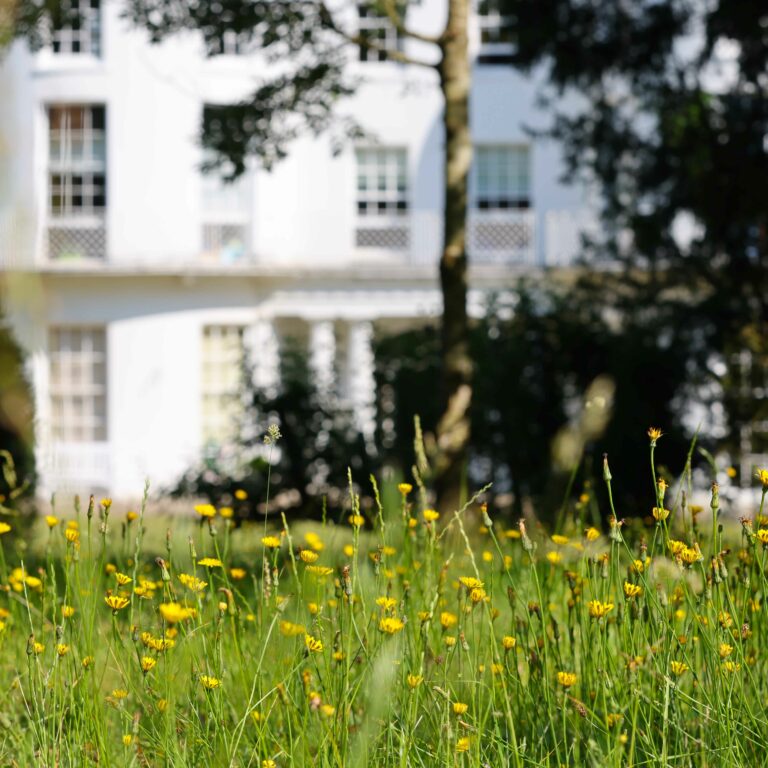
[{"x": 387, "y": 636}]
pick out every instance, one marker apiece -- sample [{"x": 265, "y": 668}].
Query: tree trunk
[{"x": 453, "y": 429}]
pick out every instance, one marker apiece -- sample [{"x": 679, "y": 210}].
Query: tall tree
[
  {"x": 671, "y": 125},
  {"x": 310, "y": 39}
]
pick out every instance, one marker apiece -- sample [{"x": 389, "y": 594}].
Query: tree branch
[{"x": 396, "y": 19}]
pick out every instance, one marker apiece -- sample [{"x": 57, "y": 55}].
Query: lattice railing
[
  {"x": 224, "y": 242},
  {"x": 76, "y": 241},
  {"x": 387, "y": 235},
  {"x": 501, "y": 237}
]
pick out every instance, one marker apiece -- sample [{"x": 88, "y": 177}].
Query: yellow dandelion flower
[
  {"x": 268, "y": 763},
  {"x": 554, "y": 557},
  {"x": 470, "y": 582},
  {"x": 762, "y": 476},
  {"x": 319, "y": 570},
  {"x": 210, "y": 562},
  {"x": 175, "y": 612},
  {"x": 386, "y": 603},
  {"x": 127, "y": 739},
  {"x": 271, "y": 542},
  {"x": 289, "y": 629},
  {"x": 147, "y": 664},
  {"x": 67, "y": 611},
  {"x": 654, "y": 433},
  {"x": 404, "y": 488},
  {"x": 567, "y": 679},
  {"x": 448, "y": 620},
  {"x": 391, "y": 625},
  {"x": 459, "y": 707},
  {"x": 237, "y": 573},
  {"x": 87, "y": 662},
  {"x": 762, "y": 535},
  {"x": 123, "y": 579},
  {"x": 613, "y": 719},
  {"x": 192, "y": 582},
  {"x": 659, "y": 514},
  {"x": 205, "y": 510},
  {"x": 116, "y": 602},
  {"x": 632, "y": 590},
  {"x": 731, "y": 666},
  {"x": 130, "y": 516},
  {"x": 508, "y": 642},
  {"x": 308, "y": 556},
  {"x": 678, "y": 668},
  {"x": 477, "y": 595},
  {"x": 72, "y": 535},
  {"x": 210, "y": 683},
  {"x": 430, "y": 515},
  {"x": 462, "y": 745},
  {"x": 62, "y": 649},
  {"x": 51, "y": 521},
  {"x": 314, "y": 644},
  {"x": 559, "y": 539},
  {"x": 450, "y": 641},
  {"x": 414, "y": 681},
  {"x": 725, "y": 650},
  {"x": 119, "y": 693},
  {"x": 240, "y": 494},
  {"x": 356, "y": 520},
  {"x": 598, "y": 609},
  {"x": 592, "y": 534},
  {"x": 327, "y": 710},
  {"x": 162, "y": 705}
]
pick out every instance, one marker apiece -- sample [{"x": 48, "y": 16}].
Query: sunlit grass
[{"x": 389, "y": 636}]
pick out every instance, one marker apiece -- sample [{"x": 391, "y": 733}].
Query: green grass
[{"x": 303, "y": 672}]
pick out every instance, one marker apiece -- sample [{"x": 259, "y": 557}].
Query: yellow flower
[
  {"x": 119, "y": 693},
  {"x": 450, "y": 641},
  {"x": 51, "y": 521},
  {"x": 356, "y": 520},
  {"x": 448, "y": 620},
  {"x": 654, "y": 433},
  {"x": 725, "y": 650},
  {"x": 106, "y": 502},
  {"x": 659, "y": 514},
  {"x": 566, "y": 679},
  {"x": 691, "y": 555},
  {"x": 192, "y": 582},
  {"x": 405, "y": 488},
  {"x": 240, "y": 494},
  {"x": 675, "y": 547},
  {"x": 123, "y": 579},
  {"x": 237, "y": 573},
  {"x": 559, "y": 539},
  {"x": 147, "y": 664},
  {"x": 227, "y": 512},
  {"x": 210, "y": 562},
  {"x": 210, "y": 683},
  {"x": 598, "y": 609},
  {"x": 762, "y": 476},
  {"x": 477, "y": 595},
  {"x": 386, "y": 603},
  {"x": 320, "y": 570},
  {"x": 87, "y": 662},
  {"x": 271, "y": 542},
  {"x": 127, "y": 739},
  {"x": 130, "y": 516},
  {"x": 38, "y": 648},
  {"x": 289, "y": 629},
  {"x": 414, "y": 681},
  {"x": 412, "y": 522},
  {"x": 554, "y": 557},
  {"x": 471, "y": 583},
  {"x": 206, "y": 510},
  {"x": 592, "y": 534},
  {"x": 313, "y": 644},
  {"x": 459, "y": 708},
  {"x": 327, "y": 710},
  {"x": 613, "y": 719},
  {"x": 72, "y": 535},
  {"x": 462, "y": 745},
  {"x": 268, "y": 763},
  {"x": 678, "y": 667},
  {"x": 430, "y": 515},
  {"x": 62, "y": 649},
  {"x": 162, "y": 705},
  {"x": 508, "y": 642},
  {"x": 308, "y": 556},
  {"x": 731, "y": 666},
  {"x": 391, "y": 625},
  {"x": 632, "y": 590},
  {"x": 174, "y": 612},
  {"x": 487, "y": 556},
  {"x": 762, "y": 535},
  {"x": 67, "y": 611},
  {"x": 116, "y": 603}
]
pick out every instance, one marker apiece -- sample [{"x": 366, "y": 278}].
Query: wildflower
[
  {"x": 192, "y": 582},
  {"x": 559, "y": 539},
  {"x": 130, "y": 516},
  {"x": 127, "y": 739},
  {"x": 762, "y": 536},
  {"x": 459, "y": 708},
  {"x": 87, "y": 662},
  {"x": 662, "y": 485},
  {"x": 237, "y": 573},
  {"x": 123, "y": 579},
  {"x": 210, "y": 562},
  {"x": 313, "y": 644},
  {"x": 147, "y": 664},
  {"x": 414, "y": 681},
  {"x": 240, "y": 494},
  {"x": 654, "y": 433},
  {"x": 356, "y": 520},
  {"x": 471, "y": 583},
  {"x": 268, "y": 763},
  {"x": 162, "y": 705},
  {"x": 640, "y": 566},
  {"x": 450, "y": 642},
  {"x": 762, "y": 476},
  {"x": 386, "y": 603},
  {"x": 106, "y": 503},
  {"x": 678, "y": 667},
  {"x": 462, "y": 745},
  {"x": 391, "y": 625},
  {"x": 412, "y": 522},
  {"x": 731, "y": 666},
  {"x": 51, "y": 521},
  {"x": 273, "y": 435},
  {"x": 675, "y": 547},
  {"x": 405, "y": 488},
  {"x": 206, "y": 510},
  {"x": 512, "y": 533},
  {"x": 271, "y": 542},
  {"x": 691, "y": 555},
  {"x": 448, "y": 620},
  {"x": 508, "y": 642},
  {"x": 487, "y": 557},
  {"x": 62, "y": 649},
  {"x": 320, "y": 570},
  {"x": 72, "y": 535},
  {"x": 613, "y": 719},
  {"x": 327, "y": 710},
  {"x": 598, "y": 609},
  {"x": 308, "y": 556},
  {"x": 477, "y": 595},
  {"x": 289, "y": 629},
  {"x": 119, "y": 693},
  {"x": 110, "y": 568},
  {"x": 554, "y": 557},
  {"x": 174, "y": 612},
  {"x": 67, "y": 611},
  {"x": 116, "y": 603},
  {"x": 566, "y": 679},
  {"x": 430, "y": 515},
  {"x": 725, "y": 650},
  {"x": 592, "y": 534},
  {"x": 659, "y": 514},
  {"x": 210, "y": 683}
]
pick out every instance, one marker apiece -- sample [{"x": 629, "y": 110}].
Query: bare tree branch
[{"x": 396, "y": 19}]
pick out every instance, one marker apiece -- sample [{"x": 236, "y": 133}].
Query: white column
[
  {"x": 263, "y": 348},
  {"x": 361, "y": 384},
  {"x": 322, "y": 355}
]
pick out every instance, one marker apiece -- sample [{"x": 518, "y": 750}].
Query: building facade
[{"x": 136, "y": 283}]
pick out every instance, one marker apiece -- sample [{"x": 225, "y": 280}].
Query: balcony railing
[
  {"x": 77, "y": 467},
  {"x": 77, "y": 237}
]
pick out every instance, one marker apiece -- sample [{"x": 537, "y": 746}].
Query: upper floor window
[
  {"x": 77, "y": 28},
  {"x": 77, "y": 160},
  {"x": 382, "y": 182},
  {"x": 501, "y": 178},
  {"x": 230, "y": 43},
  {"x": 222, "y": 375},
  {"x": 378, "y": 29},
  {"x": 78, "y": 384},
  {"x": 495, "y": 33}
]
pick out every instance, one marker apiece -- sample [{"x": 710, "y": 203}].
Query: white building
[{"x": 135, "y": 283}]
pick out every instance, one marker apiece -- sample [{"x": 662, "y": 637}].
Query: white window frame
[
  {"x": 221, "y": 381},
  {"x": 78, "y": 381},
  {"x": 380, "y": 30},
  {"x": 495, "y": 195},
  {"x": 393, "y": 200},
  {"x": 85, "y": 41},
  {"x": 491, "y": 25}
]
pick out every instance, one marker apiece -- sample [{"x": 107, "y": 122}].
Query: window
[
  {"x": 382, "y": 188},
  {"x": 77, "y": 160},
  {"x": 222, "y": 375},
  {"x": 378, "y": 29},
  {"x": 78, "y": 382},
  {"x": 495, "y": 33},
  {"x": 77, "y": 29},
  {"x": 230, "y": 43},
  {"x": 501, "y": 178}
]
